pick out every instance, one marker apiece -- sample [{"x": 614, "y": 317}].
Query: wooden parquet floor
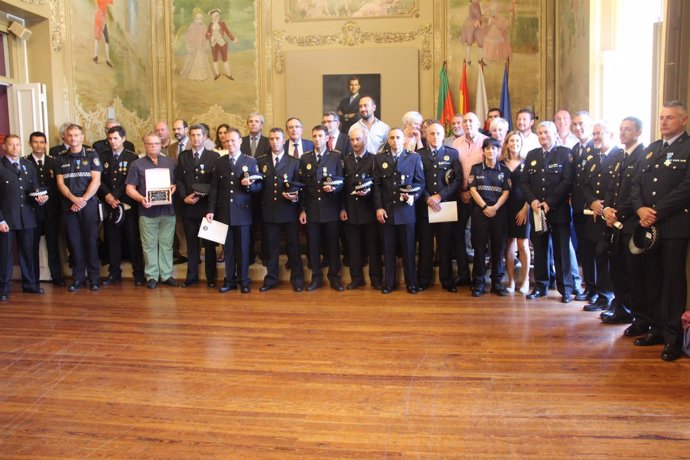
[{"x": 189, "y": 373}]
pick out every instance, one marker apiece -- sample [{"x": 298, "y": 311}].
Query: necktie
[
  {"x": 196, "y": 156},
  {"x": 664, "y": 146},
  {"x": 331, "y": 142},
  {"x": 40, "y": 164},
  {"x": 295, "y": 152},
  {"x": 115, "y": 158},
  {"x": 275, "y": 161},
  {"x": 357, "y": 159},
  {"x": 253, "y": 146},
  {"x": 180, "y": 148},
  {"x": 16, "y": 167},
  {"x": 318, "y": 158},
  {"x": 395, "y": 159},
  {"x": 232, "y": 162},
  {"x": 434, "y": 152}
]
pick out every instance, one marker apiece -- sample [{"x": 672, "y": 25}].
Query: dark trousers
[
  {"x": 668, "y": 262},
  {"x": 442, "y": 233},
  {"x": 81, "y": 229},
  {"x": 621, "y": 276},
  {"x": 324, "y": 238},
  {"x": 643, "y": 296},
  {"x": 585, "y": 249},
  {"x": 272, "y": 235},
  {"x": 25, "y": 242},
  {"x": 49, "y": 228},
  {"x": 459, "y": 243},
  {"x": 603, "y": 283},
  {"x": 237, "y": 255},
  {"x": 560, "y": 234},
  {"x": 393, "y": 235},
  {"x": 128, "y": 233},
  {"x": 366, "y": 236},
  {"x": 485, "y": 230},
  {"x": 191, "y": 230}
]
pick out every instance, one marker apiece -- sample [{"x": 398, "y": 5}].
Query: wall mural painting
[
  {"x": 214, "y": 57},
  {"x": 112, "y": 55},
  {"x": 308, "y": 10},
  {"x": 488, "y": 32},
  {"x": 572, "y": 57}
]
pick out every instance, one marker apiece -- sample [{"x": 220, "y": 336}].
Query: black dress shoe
[
  {"x": 171, "y": 282},
  {"x": 95, "y": 287},
  {"x": 423, "y": 287},
  {"x": 648, "y": 340},
  {"x": 211, "y": 284},
  {"x": 337, "y": 287},
  {"x": 227, "y": 287},
  {"x": 75, "y": 286},
  {"x": 111, "y": 280},
  {"x": 412, "y": 289},
  {"x": 245, "y": 289},
  {"x": 376, "y": 286},
  {"x": 354, "y": 285},
  {"x": 152, "y": 284},
  {"x": 617, "y": 316},
  {"x": 187, "y": 283},
  {"x": 4, "y": 297},
  {"x": 386, "y": 290},
  {"x": 602, "y": 303},
  {"x": 450, "y": 288},
  {"x": 139, "y": 282},
  {"x": 566, "y": 298},
  {"x": 298, "y": 288},
  {"x": 477, "y": 292},
  {"x": 179, "y": 260},
  {"x": 671, "y": 353},
  {"x": 313, "y": 286},
  {"x": 33, "y": 290},
  {"x": 265, "y": 288},
  {"x": 535, "y": 294},
  {"x": 462, "y": 281},
  {"x": 500, "y": 291},
  {"x": 59, "y": 282},
  {"x": 635, "y": 330},
  {"x": 581, "y": 296}
]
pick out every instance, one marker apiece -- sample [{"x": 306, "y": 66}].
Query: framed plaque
[{"x": 158, "y": 186}]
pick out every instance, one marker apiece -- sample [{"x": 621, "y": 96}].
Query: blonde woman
[
  {"x": 412, "y": 129},
  {"x": 518, "y": 220}
]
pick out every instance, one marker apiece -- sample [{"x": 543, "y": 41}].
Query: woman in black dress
[{"x": 518, "y": 221}]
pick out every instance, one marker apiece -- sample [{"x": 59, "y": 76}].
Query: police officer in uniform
[
  {"x": 116, "y": 162},
  {"x": 195, "y": 166},
  {"x": 546, "y": 184},
  {"x": 442, "y": 179},
  {"x": 321, "y": 208},
  {"x": 78, "y": 178},
  {"x": 395, "y": 209},
  {"x": 17, "y": 220},
  {"x": 280, "y": 211},
  {"x": 48, "y": 215},
  {"x": 358, "y": 214},
  {"x": 490, "y": 185},
  {"x": 230, "y": 201},
  {"x": 626, "y": 268},
  {"x": 661, "y": 197}
]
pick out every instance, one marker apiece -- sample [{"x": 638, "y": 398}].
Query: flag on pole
[
  {"x": 445, "y": 111},
  {"x": 464, "y": 101},
  {"x": 505, "y": 98},
  {"x": 482, "y": 106}
]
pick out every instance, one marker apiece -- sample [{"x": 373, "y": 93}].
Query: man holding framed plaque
[{"x": 150, "y": 182}]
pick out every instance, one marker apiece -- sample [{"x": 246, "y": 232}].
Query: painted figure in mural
[
  {"x": 196, "y": 62},
  {"x": 497, "y": 46},
  {"x": 472, "y": 31},
  {"x": 218, "y": 35},
  {"x": 100, "y": 29}
]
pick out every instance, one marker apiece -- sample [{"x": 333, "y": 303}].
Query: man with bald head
[
  {"x": 103, "y": 145},
  {"x": 375, "y": 130},
  {"x": 163, "y": 131}
]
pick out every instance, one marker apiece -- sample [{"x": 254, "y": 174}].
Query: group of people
[{"x": 372, "y": 195}]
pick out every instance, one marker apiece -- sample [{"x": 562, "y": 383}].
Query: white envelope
[
  {"x": 448, "y": 213},
  {"x": 213, "y": 231}
]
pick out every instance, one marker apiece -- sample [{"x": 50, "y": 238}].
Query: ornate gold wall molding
[
  {"x": 216, "y": 116},
  {"x": 351, "y": 34},
  {"x": 35, "y": 2},
  {"x": 92, "y": 121},
  {"x": 57, "y": 24}
]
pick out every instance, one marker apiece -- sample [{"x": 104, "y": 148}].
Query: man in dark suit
[
  {"x": 320, "y": 208},
  {"x": 660, "y": 194},
  {"x": 348, "y": 108},
  {"x": 336, "y": 140},
  {"x": 116, "y": 162},
  {"x": 230, "y": 202},
  {"x": 295, "y": 146},
  {"x": 255, "y": 144},
  {"x": 395, "y": 209},
  {"x": 442, "y": 178},
  {"x": 103, "y": 145},
  {"x": 280, "y": 211},
  {"x": 546, "y": 184},
  {"x": 195, "y": 166},
  {"x": 62, "y": 146},
  {"x": 182, "y": 141},
  {"x": 48, "y": 215},
  {"x": 18, "y": 178},
  {"x": 629, "y": 304},
  {"x": 358, "y": 213}
]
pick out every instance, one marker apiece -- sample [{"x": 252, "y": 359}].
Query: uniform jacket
[
  {"x": 189, "y": 173},
  {"x": 596, "y": 182},
  {"x": 274, "y": 208},
  {"x": 16, "y": 206},
  {"x": 360, "y": 210},
  {"x": 114, "y": 175},
  {"x": 581, "y": 155},
  {"x": 549, "y": 178},
  {"x": 262, "y": 147},
  {"x": 103, "y": 145},
  {"x": 76, "y": 172},
  {"x": 618, "y": 195},
  {"x": 663, "y": 183},
  {"x": 229, "y": 200},
  {"x": 342, "y": 144},
  {"x": 46, "y": 178},
  {"x": 435, "y": 169},
  {"x": 320, "y": 206},
  {"x": 388, "y": 177}
]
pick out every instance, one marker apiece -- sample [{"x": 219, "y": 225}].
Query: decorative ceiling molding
[{"x": 352, "y": 35}]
